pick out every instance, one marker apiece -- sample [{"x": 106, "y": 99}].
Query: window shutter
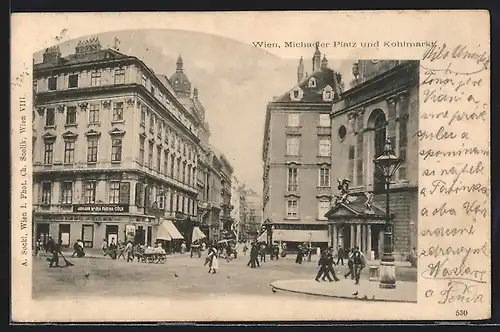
[{"x": 124, "y": 193}]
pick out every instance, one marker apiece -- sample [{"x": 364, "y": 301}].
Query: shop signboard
[{"x": 100, "y": 208}]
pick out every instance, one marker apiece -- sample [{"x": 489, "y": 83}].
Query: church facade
[{"x": 382, "y": 103}]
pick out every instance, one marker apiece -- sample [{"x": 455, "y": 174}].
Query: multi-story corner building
[
  {"x": 297, "y": 156},
  {"x": 226, "y": 206},
  {"x": 115, "y": 149},
  {"x": 381, "y": 103}
]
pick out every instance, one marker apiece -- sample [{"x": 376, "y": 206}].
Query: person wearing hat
[{"x": 323, "y": 267}]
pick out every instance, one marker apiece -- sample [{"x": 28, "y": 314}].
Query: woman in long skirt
[{"x": 214, "y": 263}]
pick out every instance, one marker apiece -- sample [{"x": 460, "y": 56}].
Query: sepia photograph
[
  {"x": 171, "y": 167},
  {"x": 136, "y": 190}
]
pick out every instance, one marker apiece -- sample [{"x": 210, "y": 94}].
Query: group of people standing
[{"x": 356, "y": 261}]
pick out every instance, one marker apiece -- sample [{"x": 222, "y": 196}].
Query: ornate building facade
[
  {"x": 381, "y": 103},
  {"x": 115, "y": 147},
  {"x": 297, "y": 156}
]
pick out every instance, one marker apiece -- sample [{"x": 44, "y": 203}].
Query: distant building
[
  {"x": 235, "y": 204},
  {"x": 250, "y": 214},
  {"x": 297, "y": 156},
  {"x": 383, "y": 101}
]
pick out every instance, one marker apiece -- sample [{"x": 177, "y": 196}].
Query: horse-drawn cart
[{"x": 151, "y": 255}]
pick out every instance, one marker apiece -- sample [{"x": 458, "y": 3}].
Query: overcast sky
[{"x": 235, "y": 82}]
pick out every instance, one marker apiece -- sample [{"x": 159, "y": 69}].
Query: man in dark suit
[
  {"x": 323, "y": 267},
  {"x": 340, "y": 255},
  {"x": 331, "y": 263}
]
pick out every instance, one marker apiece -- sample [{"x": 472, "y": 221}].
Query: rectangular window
[
  {"x": 323, "y": 208},
  {"x": 183, "y": 179},
  {"x": 118, "y": 111},
  {"x": 143, "y": 117},
  {"x": 114, "y": 192},
  {"x": 178, "y": 173},
  {"x": 125, "y": 193},
  {"x": 48, "y": 153},
  {"x": 153, "y": 91},
  {"x": 292, "y": 146},
  {"x": 152, "y": 122},
  {"x": 73, "y": 81},
  {"x": 150, "y": 155},
  {"x": 403, "y": 142},
  {"x": 52, "y": 83},
  {"x": 324, "y": 120},
  {"x": 292, "y": 179},
  {"x": 119, "y": 76},
  {"x": 50, "y": 117},
  {"x": 158, "y": 159},
  {"x": 69, "y": 152},
  {"x": 46, "y": 193},
  {"x": 92, "y": 146},
  {"x": 293, "y": 120},
  {"x": 116, "y": 149},
  {"x": 90, "y": 192},
  {"x": 95, "y": 79},
  {"x": 141, "y": 150},
  {"x": 172, "y": 166},
  {"x": 165, "y": 163},
  {"x": 94, "y": 113},
  {"x": 324, "y": 177},
  {"x": 144, "y": 80},
  {"x": 159, "y": 128},
  {"x": 70, "y": 115},
  {"x": 67, "y": 193},
  {"x": 292, "y": 208},
  {"x": 324, "y": 147}
]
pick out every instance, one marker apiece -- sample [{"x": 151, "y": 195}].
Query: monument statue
[
  {"x": 343, "y": 195},
  {"x": 369, "y": 202}
]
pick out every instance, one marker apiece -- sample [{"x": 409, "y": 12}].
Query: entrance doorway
[
  {"x": 64, "y": 234},
  {"x": 140, "y": 235},
  {"x": 112, "y": 233},
  {"x": 346, "y": 237},
  {"x": 376, "y": 243},
  {"x": 88, "y": 236},
  {"x": 42, "y": 233}
]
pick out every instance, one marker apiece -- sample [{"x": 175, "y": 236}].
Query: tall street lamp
[{"x": 388, "y": 163}]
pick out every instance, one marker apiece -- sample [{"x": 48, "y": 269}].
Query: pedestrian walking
[
  {"x": 183, "y": 247},
  {"x": 262, "y": 252},
  {"x": 245, "y": 249},
  {"x": 350, "y": 264},
  {"x": 340, "y": 255},
  {"x": 112, "y": 249},
  {"x": 129, "y": 249},
  {"x": 75, "y": 248},
  {"x": 104, "y": 247},
  {"x": 331, "y": 263},
  {"x": 213, "y": 266},
  {"x": 300, "y": 254},
  {"x": 56, "y": 248},
  {"x": 323, "y": 267},
  {"x": 254, "y": 256},
  {"x": 359, "y": 262}
]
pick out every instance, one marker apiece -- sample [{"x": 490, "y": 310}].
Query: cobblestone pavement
[{"x": 179, "y": 277}]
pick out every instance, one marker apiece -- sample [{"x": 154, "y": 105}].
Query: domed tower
[{"x": 179, "y": 80}]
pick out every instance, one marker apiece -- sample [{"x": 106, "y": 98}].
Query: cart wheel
[
  {"x": 162, "y": 259},
  {"x": 151, "y": 259},
  {"x": 157, "y": 259}
]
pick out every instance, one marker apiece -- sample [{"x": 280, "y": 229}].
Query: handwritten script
[{"x": 454, "y": 186}]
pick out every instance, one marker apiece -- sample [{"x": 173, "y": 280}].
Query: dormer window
[
  {"x": 296, "y": 94},
  {"x": 312, "y": 82},
  {"x": 328, "y": 93}
]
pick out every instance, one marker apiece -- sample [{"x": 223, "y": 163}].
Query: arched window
[{"x": 380, "y": 123}]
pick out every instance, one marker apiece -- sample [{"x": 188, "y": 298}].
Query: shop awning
[
  {"x": 289, "y": 235},
  {"x": 168, "y": 231},
  {"x": 197, "y": 234}
]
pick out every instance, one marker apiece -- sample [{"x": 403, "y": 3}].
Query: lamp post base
[{"x": 387, "y": 273}]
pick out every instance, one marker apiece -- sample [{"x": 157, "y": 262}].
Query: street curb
[{"x": 337, "y": 296}]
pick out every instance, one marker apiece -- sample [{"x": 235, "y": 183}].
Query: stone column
[
  {"x": 358, "y": 236},
  {"x": 368, "y": 240},
  {"x": 381, "y": 241},
  {"x": 334, "y": 236},
  {"x": 351, "y": 244}
]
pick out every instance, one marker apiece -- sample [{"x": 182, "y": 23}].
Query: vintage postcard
[{"x": 250, "y": 166}]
